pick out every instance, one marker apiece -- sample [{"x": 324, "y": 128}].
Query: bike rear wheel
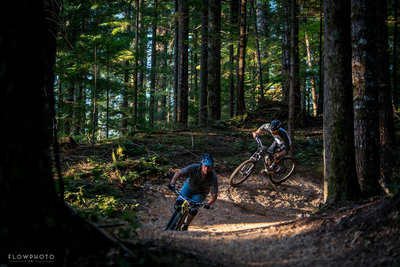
[
  {"x": 284, "y": 168},
  {"x": 242, "y": 172}
]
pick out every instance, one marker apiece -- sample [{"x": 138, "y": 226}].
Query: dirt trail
[{"x": 241, "y": 227}]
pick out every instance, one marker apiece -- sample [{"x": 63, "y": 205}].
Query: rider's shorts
[
  {"x": 276, "y": 148},
  {"x": 185, "y": 190}
]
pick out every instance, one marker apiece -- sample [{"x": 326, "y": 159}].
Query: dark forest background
[{"x": 96, "y": 70}]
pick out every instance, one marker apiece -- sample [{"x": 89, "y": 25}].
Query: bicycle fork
[{"x": 184, "y": 213}]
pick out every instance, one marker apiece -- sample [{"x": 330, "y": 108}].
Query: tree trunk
[
  {"x": 176, "y": 61},
  {"x": 233, "y": 19},
  {"x": 203, "y": 64},
  {"x": 258, "y": 51},
  {"x": 340, "y": 174},
  {"x": 365, "y": 86},
  {"x": 125, "y": 101},
  {"x": 69, "y": 109},
  {"x": 153, "y": 68},
  {"x": 143, "y": 41},
  {"x": 386, "y": 124},
  {"x": 286, "y": 32},
  {"x": 108, "y": 101},
  {"x": 136, "y": 75},
  {"x": 241, "y": 106},
  {"x": 320, "y": 106},
  {"x": 395, "y": 60},
  {"x": 163, "y": 108},
  {"x": 214, "y": 60},
  {"x": 294, "y": 92},
  {"x": 310, "y": 65},
  {"x": 94, "y": 97},
  {"x": 30, "y": 208},
  {"x": 184, "y": 62}
]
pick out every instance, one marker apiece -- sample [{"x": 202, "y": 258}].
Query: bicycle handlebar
[{"x": 191, "y": 201}]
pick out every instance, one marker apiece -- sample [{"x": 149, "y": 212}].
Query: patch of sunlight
[{"x": 226, "y": 228}]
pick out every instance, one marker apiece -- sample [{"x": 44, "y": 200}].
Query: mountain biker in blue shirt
[
  {"x": 282, "y": 142},
  {"x": 201, "y": 180}
]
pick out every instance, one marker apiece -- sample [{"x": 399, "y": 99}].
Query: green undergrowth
[{"x": 105, "y": 191}]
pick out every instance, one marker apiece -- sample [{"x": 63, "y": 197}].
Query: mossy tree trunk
[{"x": 339, "y": 157}]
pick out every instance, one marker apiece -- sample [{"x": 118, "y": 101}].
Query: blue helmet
[
  {"x": 274, "y": 125},
  {"x": 207, "y": 160}
]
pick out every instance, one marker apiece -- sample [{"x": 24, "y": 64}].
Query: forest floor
[{"x": 257, "y": 224}]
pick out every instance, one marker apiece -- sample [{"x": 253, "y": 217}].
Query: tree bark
[
  {"x": 136, "y": 75},
  {"x": 153, "y": 67},
  {"x": 233, "y": 19},
  {"x": 320, "y": 101},
  {"x": 214, "y": 60},
  {"x": 30, "y": 209},
  {"x": 286, "y": 32},
  {"x": 294, "y": 92},
  {"x": 386, "y": 125},
  {"x": 176, "y": 61},
  {"x": 184, "y": 62},
  {"x": 241, "y": 105},
  {"x": 395, "y": 60},
  {"x": 94, "y": 97},
  {"x": 310, "y": 65},
  {"x": 258, "y": 51},
  {"x": 203, "y": 64},
  {"x": 341, "y": 183},
  {"x": 365, "y": 86}
]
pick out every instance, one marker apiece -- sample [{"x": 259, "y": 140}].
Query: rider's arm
[
  {"x": 263, "y": 128},
  {"x": 176, "y": 177},
  {"x": 256, "y": 133},
  {"x": 213, "y": 198}
]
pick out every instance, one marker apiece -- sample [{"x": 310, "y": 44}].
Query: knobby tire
[
  {"x": 287, "y": 166},
  {"x": 171, "y": 220},
  {"x": 177, "y": 223},
  {"x": 247, "y": 167}
]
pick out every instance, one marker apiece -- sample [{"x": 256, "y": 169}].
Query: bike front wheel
[
  {"x": 171, "y": 220},
  {"x": 283, "y": 169},
  {"x": 242, "y": 172},
  {"x": 177, "y": 222}
]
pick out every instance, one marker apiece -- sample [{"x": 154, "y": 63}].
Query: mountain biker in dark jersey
[
  {"x": 282, "y": 142},
  {"x": 201, "y": 180}
]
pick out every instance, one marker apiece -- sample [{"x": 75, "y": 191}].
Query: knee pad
[{"x": 193, "y": 211}]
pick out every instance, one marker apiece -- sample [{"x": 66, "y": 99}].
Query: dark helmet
[
  {"x": 207, "y": 160},
  {"x": 274, "y": 125}
]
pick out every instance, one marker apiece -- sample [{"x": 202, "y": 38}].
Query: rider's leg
[
  {"x": 190, "y": 217},
  {"x": 272, "y": 147},
  {"x": 271, "y": 150}
]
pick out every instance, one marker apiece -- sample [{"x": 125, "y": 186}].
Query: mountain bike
[
  {"x": 180, "y": 213},
  {"x": 277, "y": 170}
]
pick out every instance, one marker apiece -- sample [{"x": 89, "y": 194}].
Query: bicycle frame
[
  {"x": 260, "y": 153},
  {"x": 184, "y": 211}
]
